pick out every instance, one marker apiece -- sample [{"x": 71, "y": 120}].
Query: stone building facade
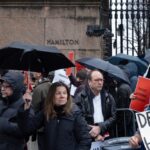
[{"x": 57, "y": 23}]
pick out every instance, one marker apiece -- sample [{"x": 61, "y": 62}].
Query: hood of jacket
[{"x": 16, "y": 80}]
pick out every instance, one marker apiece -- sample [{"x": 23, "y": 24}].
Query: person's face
[
  {"x": 61, "y": 96},
  {"x": 37, "y": 75},
  {"x": 6, "y": 89},
  {"x": 96, "y": 82}
]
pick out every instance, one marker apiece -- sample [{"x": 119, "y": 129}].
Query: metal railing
[{"x": 125, "y": 123}]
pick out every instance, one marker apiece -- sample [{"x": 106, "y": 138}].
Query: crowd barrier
[
  {"x": 124, "y": 128},
  {"x": 125, "y": 123}
]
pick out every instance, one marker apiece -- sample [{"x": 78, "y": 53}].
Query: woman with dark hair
[
  {"x": 64, "y": 126},
  {"x": 54, "y": 105}
]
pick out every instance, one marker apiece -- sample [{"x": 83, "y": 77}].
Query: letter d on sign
[{"x": 142, "y": 120}]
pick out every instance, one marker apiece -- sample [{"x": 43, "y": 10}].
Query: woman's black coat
[{"x": 67, "y": 132}]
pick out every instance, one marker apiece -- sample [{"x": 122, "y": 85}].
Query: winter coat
[
  {"x": 39, "y": 94},
  {"x": 67, "y": 132},
  {"x": 79, "y": 84},
  {"x": 123, "y": 101},
  {"x": 84, "y": 101},
  {"x": 123, "y": 95},
  {"x": 132, "y": 71},
  {"x": 11, "y": 137}
]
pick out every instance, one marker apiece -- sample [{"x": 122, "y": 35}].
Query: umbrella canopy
[
  {"x": 105, "y": 66},
  {"x": 22, "y": 56},
  {"x": 142, "y": 66}
]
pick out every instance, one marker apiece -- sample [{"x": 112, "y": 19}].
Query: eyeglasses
[{"x": 5, "y": 86}]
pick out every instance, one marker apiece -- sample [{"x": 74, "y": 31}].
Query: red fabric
[
  {"x": 79, "y": 67},
  {"x": 27, "y": 80},
  {"x": 71, "y": 58}
]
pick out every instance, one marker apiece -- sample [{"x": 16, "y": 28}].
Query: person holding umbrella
[
  {"x": 12, "y": 90},
  {"x": 64, "y": 126},
  {"x": 97, "y": 105}
]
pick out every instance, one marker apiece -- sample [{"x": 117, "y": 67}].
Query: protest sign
[
  {"x": 143, "y": 120},
  {"x": 72, "y": 90},
  {"x": 142, "y": 92}
]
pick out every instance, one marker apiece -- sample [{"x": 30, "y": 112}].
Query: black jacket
[
  {"x": 123, "y": 96},
  {"x": 11, "y": 137},
  {"x": 62, "y": 133},
  {"x": 84, "y": 101}
]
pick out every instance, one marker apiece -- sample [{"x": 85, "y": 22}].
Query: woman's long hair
[{"x": 49, "y": 110}]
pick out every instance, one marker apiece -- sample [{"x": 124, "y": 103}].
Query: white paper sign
[
  {"x": 72, "y": 90},
  {"x": 143, "y": 120},
  {"x": 96, "y": 145},
  {"x": 60, "y": 75}
]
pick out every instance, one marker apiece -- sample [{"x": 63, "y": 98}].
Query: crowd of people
[{"x": 55, "y": 119}]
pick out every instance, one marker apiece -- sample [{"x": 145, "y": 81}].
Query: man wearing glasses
[{"x": 97, "y": 105}]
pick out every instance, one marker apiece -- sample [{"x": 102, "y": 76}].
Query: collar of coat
[{"x": 88, "y": 92}]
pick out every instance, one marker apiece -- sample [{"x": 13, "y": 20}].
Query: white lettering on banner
[{"x": 143, "y": 120}]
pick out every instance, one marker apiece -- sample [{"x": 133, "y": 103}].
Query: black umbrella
[
  {"x": 22, "y": 56},
  {"x": 142, "y": 65},
  {"x": 105, "y": 66}
]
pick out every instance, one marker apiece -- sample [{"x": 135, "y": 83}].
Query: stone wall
[{"x": 63, "y": 26}]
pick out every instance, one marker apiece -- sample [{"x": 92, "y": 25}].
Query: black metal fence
[
  {"x": 130, "y": 24},
  {"x": 125, "y": 123}
]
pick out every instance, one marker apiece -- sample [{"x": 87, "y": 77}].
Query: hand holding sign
[{"x": 135, "y": 140}]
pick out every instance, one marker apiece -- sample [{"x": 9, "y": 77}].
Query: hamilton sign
[{"x": 62, "y": 42}]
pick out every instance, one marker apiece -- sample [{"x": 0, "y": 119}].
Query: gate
[{"x": 130, "y": 24}]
